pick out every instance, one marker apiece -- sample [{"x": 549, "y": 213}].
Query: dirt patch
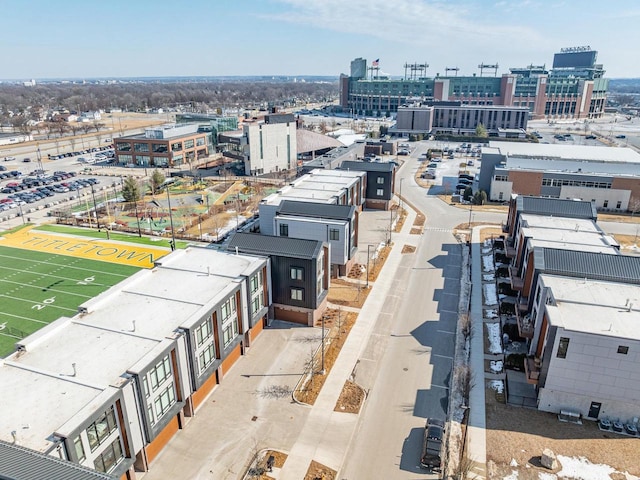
[
  {"x": 349, "y": 294},
  {"x": 359, "y": 271},
  {"x": 308, "y": 391},
  {"x": 627, "y": 241},
  {"x": 622, "y": 218},
  {"x": 317, "y": 471},
  {"x": 278, "y": 461},
  {"x": 350, "y": 399},
  {"x": 401, "y": 220},
  {"x": 520, "y": 434},
  {"x": 419, "y": 220},
  {"x": 490, "y": 233},
  {"x": 408, "y": 249},
  {"x": 416, "y": 231}
]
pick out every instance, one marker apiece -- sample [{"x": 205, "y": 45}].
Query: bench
[{"x": 569, "y": 416}]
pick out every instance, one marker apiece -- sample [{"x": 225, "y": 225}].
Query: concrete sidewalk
[{"x": 326, "y": 435}]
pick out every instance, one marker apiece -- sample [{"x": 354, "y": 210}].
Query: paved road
[{"x": 407, "y": 363}]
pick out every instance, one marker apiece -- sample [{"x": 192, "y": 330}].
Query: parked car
[
  {"x": 26, "y": 160},
  {"x": 431, "y": 456},
  {"x": 590, "y": 137},
  {"x": 621, "y": 136}
]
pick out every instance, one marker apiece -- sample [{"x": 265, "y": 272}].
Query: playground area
[{"x": 195, "y": 209}]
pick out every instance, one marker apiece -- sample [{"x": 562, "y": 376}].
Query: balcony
[
  {"x": 525, "y": 324},
  {"x": 532, "y": 370},
  {"x": 516, "y": 282},
  {"x": 511, "y": 251}
]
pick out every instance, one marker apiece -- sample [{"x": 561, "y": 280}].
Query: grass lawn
[
  {"x": 123, "y": 237},
  {"x": 37, "y": 288}
]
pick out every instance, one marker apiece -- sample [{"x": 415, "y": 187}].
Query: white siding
[
  {"x": 314, "y": 229},
  {"x": 500, "y": 187},
  {"x": 612, "y": 196}
]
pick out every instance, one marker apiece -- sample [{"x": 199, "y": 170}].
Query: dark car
[
  {"x": 461, "y": 186},
  {"x": 26, "y": 160},
  {"x": 621, "y": 136},
  {"x": 431, "y": 456},
  {"x": 590, "y": 137}
]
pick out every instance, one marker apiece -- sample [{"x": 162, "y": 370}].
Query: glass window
[
  {"x": 176, "y": 146},
  {"x": 284, "y": 230},
  {"x": 141, "y": 147},
  {"x": 203, "y": 332},
  {"x": 164, "y": 401},
  {"x": 101, "y": 428},
  {"x": 229, "y": 332},
  {"x": 207, "y": 356},
  {"x": 160, "y": 148},
  {"x": 200, "y": 141},
  {"x": 380, "y": 180},
  {"x": 160, "y": 373},
  {"x": 256, "y": 282},
  {"x": 334, "y": 234},
  {"x": 380, "y": 192},
  {"x": 125, "y": 159},
  {"x": 110, "y": 457},
  {"x": 296, "y": 273},
  {"x": 145, "y": 386},
  {"x": 123, "y": 147},
  {"x": 77, "y": 443},
  {"x": 623, "y": 349},
  {"x": 296, "y": 293},
  {"x": 563, "y": 346},
  {"x": 188, "y": 144}
]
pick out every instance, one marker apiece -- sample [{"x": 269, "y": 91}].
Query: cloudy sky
[{"x": 118, "y": 38}]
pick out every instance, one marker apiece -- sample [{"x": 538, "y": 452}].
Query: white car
[{"x": 8, "y": 159}]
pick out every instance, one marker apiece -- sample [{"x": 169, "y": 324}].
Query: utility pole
[
  {"x": 322, "y": 371},
  {"x": 173, "y": 236},
  {"x": 368, "y": 256}
]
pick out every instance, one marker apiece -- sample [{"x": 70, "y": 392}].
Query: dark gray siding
[{"x": 282, "y": 282}]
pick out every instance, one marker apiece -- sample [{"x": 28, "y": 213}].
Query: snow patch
[
  {"x": 493, "y": 334},
  {"x": 487, "y": 263},
  {"x": 488, "y": 277},
  {"x": 546, "y": 476},
  {"x": 496, "y": 367},
  {"x": 582, "y": 469},
  {"x": 497, "y": 385},
  {"x": 512, "y": 476},
  {"x": 490, "y": 297},
  {"x": 491, "y": 313},
  {"x": 513, "y": 463}
]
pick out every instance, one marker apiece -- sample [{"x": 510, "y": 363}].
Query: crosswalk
[{"x": 438, "y": 229}]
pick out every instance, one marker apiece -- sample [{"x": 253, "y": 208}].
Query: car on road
[
  {"x": 621, "y": 136},
  {"x": 26, "y": 160},
  {"x": 590, "y": 137},
  {"x": 431, "y": 456}
]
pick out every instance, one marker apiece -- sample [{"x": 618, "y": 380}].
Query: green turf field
[{"x": 37, "y": 288}]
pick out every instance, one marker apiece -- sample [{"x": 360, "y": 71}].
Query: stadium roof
[
  {"x": 308, "y": 141},
  {"x": 567, "y": 152}
]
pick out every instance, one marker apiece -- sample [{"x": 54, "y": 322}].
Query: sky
[{"x": 134, "y": 38}]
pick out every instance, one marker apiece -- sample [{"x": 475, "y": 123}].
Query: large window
[
  {"x": 188, "y": 144},
  {"x": 110, "y": 457},
  {"x": 99, "y": 430},
  {"x": 297, "y": 294},
  {"x": 200, "y": 141},
  {"x": 77, "y": 444},
  {"x": 123, "y": 146},
  {"x": 160, "y": 373},
  {"x": 229, "y": 321},
  {"x": 379, "y": 192},
  {"x": 125, "y": 159},
  {"x": 380, "y": 180},
  {"x": 563, "y": 346},
  {"x": 160, "y": 148},
  {"x": 284, "y": 230},
  {"x": 141, "y": 147},
  {"x": 206, "y": 357},
  {"x": 176, "y": 146},
  {"x": 296, "y": 273},
  {"x": 255, "y": 282},
  {"x": 164, "y": 401},
  {"x": 334, "y": 234},
  {"x": 203, "y": 332}
]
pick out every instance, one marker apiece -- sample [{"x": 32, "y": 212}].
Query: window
[
  {"x": 605, "y": 204},
  {"x": 229, "y": 321},
  {"x": 505, "y": 178},
  {"x": 176, "y": 147},
  {"x": 623, "y": 349},
  {"x": 145, "y": 386},
  {"x": 380, "y": 180},
  {"x": 334, "y": 234},
  {"x": 141, "y": 147},
  {"x": 109, "y": 458},
  {"x": 77, "y": 443},
  {"x": 188, "y": 144},
  {"x": 200, "y": 141},
  {"x": 123, "y": 147},
  {"x": 159, "y": 148},
  {"x": 164, "y": 401},
  {"x": 284, "y": 230},
  {"x": 563, "y": 345},
  {"x": 99, "y": 430},
  {"x": 619, "y": 204},
  {"x": 206, "y": 357},
  {"x": 296, "y": 294},
  {"x": 203, "y": 332},
  {"x": 296, "y": 273},
  {"x": 380, "y": 192},
  {"x": 255, "y": 282},
  {"x": 160, "y": 373}
]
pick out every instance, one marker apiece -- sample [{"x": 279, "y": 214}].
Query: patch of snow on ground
[
  {"x": 488, "y": 277},
  {"x": 487, "y": 242},
  {"x": 513, "y": 463},
  {"x": 491, "y": 313},
  {"x": 547, "y": 476},
  {"x": 497, "y": 385},
  {"x": 512, "y": 476},
  {"x": 582, "y": 469},
  {"x": 496, "y": 367},
  {"x": 487, "y": 263},
  {"x": 490, "y": 294},
  {"x": 486, "y": 250},
  {"x": 493, "y": 333}
]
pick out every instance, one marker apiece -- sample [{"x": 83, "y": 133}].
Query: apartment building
[{"x": 380, "y": 187}]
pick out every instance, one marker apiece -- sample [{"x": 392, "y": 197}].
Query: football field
[{"x": 39, "y": 287}]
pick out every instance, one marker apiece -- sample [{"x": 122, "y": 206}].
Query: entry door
[{"x": 594, "y": 409}]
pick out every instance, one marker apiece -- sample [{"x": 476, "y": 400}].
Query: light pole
[
  {"x": 401, "y": 195},
  {"x": 322, "y": 371},
  {"x": 368, "y": 256},
  {"x": 173, "y": 236},
  {"x": 21, "y": 214},
  {"x": 470, "y": 212}
]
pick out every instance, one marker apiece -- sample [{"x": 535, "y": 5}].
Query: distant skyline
[{"x": 145, "y": 38}]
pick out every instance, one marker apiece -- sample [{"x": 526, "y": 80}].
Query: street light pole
[
  {"x": 470, "y": 212},
  {"x": 401, "y": 195},
  {"x": 173, "y": 236},
  {"x": 368, "y": 256}
]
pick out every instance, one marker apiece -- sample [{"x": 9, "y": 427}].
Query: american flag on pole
[{"x": 375, "y": 63}]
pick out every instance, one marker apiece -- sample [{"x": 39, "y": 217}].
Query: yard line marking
[
  {"x": 9, "y": 335},
  {"x": 26, "y": 260},
  {"x": 25, "y": 318},
  {"x": 51, "y": 305},
  {"x": 53, "y": 290},
  {"x": 54, "y": 276}
]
